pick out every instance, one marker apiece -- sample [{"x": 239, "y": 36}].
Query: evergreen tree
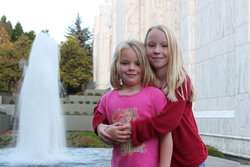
[
  {"x": 31, "y": 35},
  {"x": 82, "y": 34},
  {"x": 6, "y": 25},
  {"x": 17, "y": 32}
]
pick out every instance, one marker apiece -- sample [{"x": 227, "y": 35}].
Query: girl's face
[
  {"x": 129, "y": 68},
  {"x": 157, "y": 49}
]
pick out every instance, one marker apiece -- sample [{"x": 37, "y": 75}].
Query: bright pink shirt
[{"x": 124, "y": 108}]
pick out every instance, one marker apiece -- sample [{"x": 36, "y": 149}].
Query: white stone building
[{"x": 214, "y": 36}]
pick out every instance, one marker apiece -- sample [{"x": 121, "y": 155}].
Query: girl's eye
[
  {"x": 124, "y": 62},
  {"x": 150, "y": 45},
  {"x": 138, "y": 64},
  {"x": 164, "y": 44}
]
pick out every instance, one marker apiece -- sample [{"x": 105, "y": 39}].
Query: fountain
[
  {"x": 41, "y": 133},
  {"x": 41, "y": 138}
]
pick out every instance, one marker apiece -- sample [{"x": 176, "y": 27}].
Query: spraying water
[
  {"x": 41, "y": 133},
  {"x": 41, "y": 138}
]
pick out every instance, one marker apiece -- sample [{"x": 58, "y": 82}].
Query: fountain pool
[{"x": 74, "y": 157}]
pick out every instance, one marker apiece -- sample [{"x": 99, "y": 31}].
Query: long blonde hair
[
  {"x": 175, "y": 70},
  {"x": 140, "y": 50}
]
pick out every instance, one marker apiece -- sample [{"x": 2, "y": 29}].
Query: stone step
[{"x": 220, "y": 162}]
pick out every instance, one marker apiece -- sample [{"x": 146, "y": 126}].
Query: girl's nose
[
  {"x": 157, "y": 49},
  {"x": 132, "y": 67}
]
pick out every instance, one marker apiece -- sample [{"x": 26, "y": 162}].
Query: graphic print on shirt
[{"x": 124, "y": 116}]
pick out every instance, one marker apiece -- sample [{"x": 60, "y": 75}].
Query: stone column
[{"x": 102, "y": 42}]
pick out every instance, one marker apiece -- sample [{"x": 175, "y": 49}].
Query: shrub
[
  {"x": 84, "y": 113},
  {"x": 64, "y": 102},
  {"x": 72, "y": 102},
  {"x": 98, "y": 94},
  {"x": 214, "y": 152},
  {"x": 90, "y": 94},
  {"x": 88, "y": 142},
  {"x": 80, "y": 101},
  {"x": 67, "y": 113},
  {"x": 7, "y": 141},
  {"x": 87, "y": 102},
  {"x": 94, "y": 102},
  {"x": 72, "y": 139},
  {"x": 84, "y": 139},
  {"x": 87, "y": 113},
  {"x": 76, "y": 113},
  {"x": 79, "y": 93}
]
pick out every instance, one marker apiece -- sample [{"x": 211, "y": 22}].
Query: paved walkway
[{"x": 220, "y": 162}]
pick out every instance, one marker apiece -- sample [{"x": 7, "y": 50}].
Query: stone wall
[
  {"x": 77, "y": 110},
  {"x": 221, "y": 70},
  {"x": 78, "y": 123}
]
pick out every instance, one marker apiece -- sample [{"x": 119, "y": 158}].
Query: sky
[{"x": 54, "y": 15}]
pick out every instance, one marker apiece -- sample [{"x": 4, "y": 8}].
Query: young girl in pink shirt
[{"x": 133, "y": 98}]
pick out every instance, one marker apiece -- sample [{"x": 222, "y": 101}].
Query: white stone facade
[{"x": 214, "y": 36}]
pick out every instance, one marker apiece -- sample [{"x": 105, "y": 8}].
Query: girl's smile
[
  {"x": 129, "y": 69},
  {"x": 157, "y": 49}
]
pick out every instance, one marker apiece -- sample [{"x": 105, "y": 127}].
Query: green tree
[
  {"x": 22, "y": 47},
  {"x": 4, "y": 36},
  {"x": 6, "y": 65},
  {"x": 31, "y": 35},
  {"x": 14, "y": 46},
  {"x": 10, "y": 55},
  {"x": 17, "y": 32},
  {"x": 6, "y": 25},
  {"x": 82, "y": 34},
  {"x": 75, "y": 65}
]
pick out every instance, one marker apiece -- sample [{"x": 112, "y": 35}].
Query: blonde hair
[
  {"x": 140, "y": 50},
  {"x": 175, "y": 70}
]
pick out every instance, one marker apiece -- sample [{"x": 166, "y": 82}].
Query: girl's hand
[
  {"x": 127, "y": 128},
  {"x": 118, "y": 133},
  {"x": 105, "y": 137}
]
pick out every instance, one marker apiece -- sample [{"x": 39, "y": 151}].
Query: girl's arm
[
  {"x": 164, "y": 122},
  {"x": 166, "y": 149},
  {"x": 98, "y": 118},
  {"x": 100, "y": 124},
  {"x": 110, "y": 134}
]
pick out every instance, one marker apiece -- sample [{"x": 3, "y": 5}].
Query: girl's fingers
[
  {"x": 118, "y": 124},
  {"x": 103, "y": 134}
]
